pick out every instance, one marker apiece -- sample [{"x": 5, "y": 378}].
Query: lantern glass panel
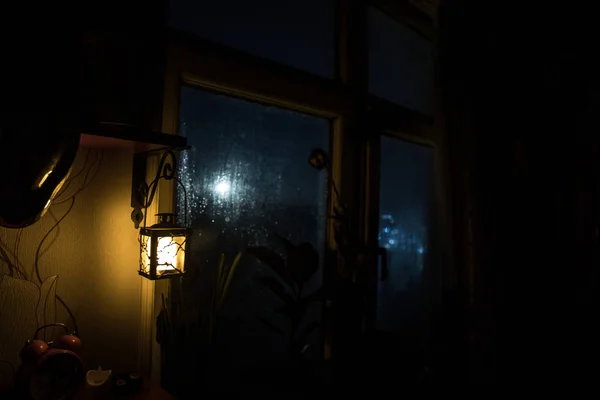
[
  {"x": 170, "y": 254},
  {"x": 145, "y": 254},
  {"x": 168, "y": 257}
]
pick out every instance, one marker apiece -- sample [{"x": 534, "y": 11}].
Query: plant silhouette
[{"x": 289, "y": 277}]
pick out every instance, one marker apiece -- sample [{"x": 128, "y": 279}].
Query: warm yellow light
[
  {"x": 161, "y": 255},
  {"x": 169, "y": 252},
  {"x": 146, "y": 250},
  {"x": 44, "y": 178}
]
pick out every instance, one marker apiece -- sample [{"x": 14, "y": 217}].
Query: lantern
[{"x": 162, "y": 248}]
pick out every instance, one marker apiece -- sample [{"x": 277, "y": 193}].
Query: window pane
[
  {"x": 400, "y": 63},
  {"x": 406, "y": 179},
  {"x": 248, "y": 178},
  {"x": 297, "y": 33}
]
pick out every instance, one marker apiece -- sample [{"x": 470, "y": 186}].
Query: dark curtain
[{"x": 519, "y": 96}]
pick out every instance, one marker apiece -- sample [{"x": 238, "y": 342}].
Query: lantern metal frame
[
  {"x": 149, "y": 248},
  {"x": 143, "y": 195}
]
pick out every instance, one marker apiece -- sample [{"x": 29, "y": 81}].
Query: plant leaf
[
  {"x": 229, "y": 277},
  {"x": 300, "y": 345},
  {"x": 289, "y": 246},
  {"x": 303, "y": 337},
  {"x": 317, "y": 295},
  {"x": 271, "y": 259},
  {"x": 278, "y": 288},
  {"x": 219, "y": 285},
  {"x": 303, "y": 263},
  {"x": 271, "y": 327},
  {"x": 293, "y": 310}
]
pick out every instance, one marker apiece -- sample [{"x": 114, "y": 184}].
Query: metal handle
[{"x": 385, "y": 272}]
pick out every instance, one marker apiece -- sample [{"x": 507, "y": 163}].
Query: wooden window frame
[{"x": 358, "y": 118}]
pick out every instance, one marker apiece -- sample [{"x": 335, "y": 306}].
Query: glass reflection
[
  {"x": 400, "y": 63},
  {"x": 406, "y": 178}
]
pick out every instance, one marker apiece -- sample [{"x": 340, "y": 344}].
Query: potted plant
[
  {"x": 288, "y": 280},
  {"x": 179, "y": 324}
]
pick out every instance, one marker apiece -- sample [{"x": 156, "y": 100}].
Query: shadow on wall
[{"x": 89, "y": 260}]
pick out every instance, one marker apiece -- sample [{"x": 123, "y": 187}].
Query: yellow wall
[{"x": 95, "y": 254}]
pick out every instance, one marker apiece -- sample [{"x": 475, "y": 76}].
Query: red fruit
[
  {"x": 33, "y": 350},
  {"x": 68, "y": 342}
]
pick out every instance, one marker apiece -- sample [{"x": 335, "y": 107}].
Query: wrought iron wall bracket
[{"x": 143, "y": 193}]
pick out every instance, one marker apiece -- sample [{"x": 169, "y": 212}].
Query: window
[
  {"x": 400, "y": 63},
  {"x": 247, "y": 175},
  {"x": 247, "y": 178},
  {"x": 300, "y": 34},
  {"x": 406, "y": 182}
]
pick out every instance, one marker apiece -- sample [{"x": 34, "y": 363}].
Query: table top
[{"x": 150, "y": 391}]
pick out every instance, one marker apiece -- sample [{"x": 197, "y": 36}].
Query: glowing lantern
[{"x": 163, "y": 248}]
